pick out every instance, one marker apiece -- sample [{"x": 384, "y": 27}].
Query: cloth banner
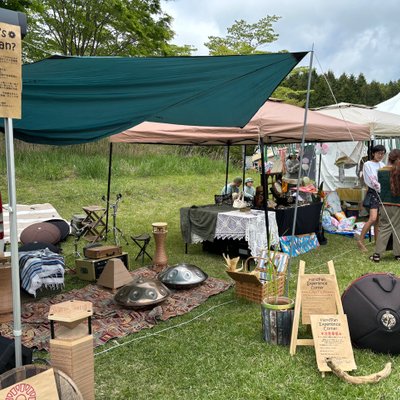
[{"x": 301, "y": 244}]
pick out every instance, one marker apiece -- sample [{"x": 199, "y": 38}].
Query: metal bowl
[
  {"x": 142, "y": 293},
  {"x": 182, "y": 276}
]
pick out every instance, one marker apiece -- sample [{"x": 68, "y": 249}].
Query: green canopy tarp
[{"x": 70, "y": 100}]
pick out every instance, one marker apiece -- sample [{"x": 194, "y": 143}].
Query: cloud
[{"x": 348, "y": 36}]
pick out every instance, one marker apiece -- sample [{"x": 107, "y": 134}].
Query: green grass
[{"x": 216, "y": 351}]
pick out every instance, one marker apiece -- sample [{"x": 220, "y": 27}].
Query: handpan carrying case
[{"x": 372, "y": 305}]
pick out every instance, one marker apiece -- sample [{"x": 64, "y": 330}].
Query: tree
[
  {"x": 244, "y": 38},
  {"x": 16, "y": 5},
  {"x": 99, "y": 28}
]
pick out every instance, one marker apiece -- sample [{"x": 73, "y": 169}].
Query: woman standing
[
  {"x": 371, "y": 201},
  {"x": 389, "y": 178}
]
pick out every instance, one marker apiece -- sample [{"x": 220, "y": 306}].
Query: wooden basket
[
  {"x": 67, "y": 389},
  {"x": 250, "y": 287}
]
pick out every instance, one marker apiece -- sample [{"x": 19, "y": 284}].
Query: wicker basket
[
  {"x": 67, "y": 390},
  {"x": 250, "y": 287}
]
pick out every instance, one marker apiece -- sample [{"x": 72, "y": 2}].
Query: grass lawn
[{"x": 216, "y": 351}]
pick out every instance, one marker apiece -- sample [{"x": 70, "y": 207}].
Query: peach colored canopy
[{"x": 276, "y": 122}]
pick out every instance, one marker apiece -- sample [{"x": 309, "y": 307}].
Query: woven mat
[{"x": 110, "y": 320}]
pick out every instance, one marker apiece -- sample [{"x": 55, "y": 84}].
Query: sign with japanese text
[{"x": 10, "y": 71}]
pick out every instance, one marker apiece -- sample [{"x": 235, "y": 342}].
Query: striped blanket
[
  {"x": 41, "y": 268},
  {"x": 28, "y": 215}
]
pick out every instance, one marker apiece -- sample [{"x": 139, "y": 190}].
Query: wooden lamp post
[{"x": 71, "y": 344}]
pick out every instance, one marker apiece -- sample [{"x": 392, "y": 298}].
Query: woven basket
[
  {"x": 67, "y": 390},
  {"x": 256, "y": 291},
  {"x": 251, "y": 288}
]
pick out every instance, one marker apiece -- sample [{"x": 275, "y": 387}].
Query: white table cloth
[{"x": 245, "y": 225}]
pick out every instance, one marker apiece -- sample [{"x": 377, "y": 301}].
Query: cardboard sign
[
  {"x": 40, "y": 386},
  {"x": 10, "y": 71},
  {"x": 318, "y": 295},
  {"x": 332, "y": 340}
]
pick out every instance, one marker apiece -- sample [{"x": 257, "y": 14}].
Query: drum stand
[
  {"x": 78, "y": 233},
  {"x": 117, "y": 232}
]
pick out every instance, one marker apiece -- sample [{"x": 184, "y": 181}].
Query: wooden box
[
  {"x": 102, "y": 251},
  {"x": 90, "y": 269}
]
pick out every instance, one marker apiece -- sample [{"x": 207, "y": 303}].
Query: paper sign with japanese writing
[
  {"x": 332, "y": 340},
  {"x": 317, "y": 295},
  {"x": 10, "y": 71}
]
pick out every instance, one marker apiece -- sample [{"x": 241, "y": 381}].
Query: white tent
[
  {"x": 381, "y": 123},
  {"x": 392, "y": 105},
  {"x": 329, "y": 171}
]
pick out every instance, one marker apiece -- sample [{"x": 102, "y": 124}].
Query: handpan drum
[
  {"x": 372, "y": 306},
  {"x": 142, "y": 293},
  {"x": 41, "y": 232},
  {"x": 182, "y": 276}
]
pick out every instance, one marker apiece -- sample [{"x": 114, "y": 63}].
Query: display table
[
  {"x": 307, "y": 221},
  {"x": 206, "y": 223}
]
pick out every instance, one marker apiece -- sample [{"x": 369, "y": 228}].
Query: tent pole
[
  {"x": 303, "y": 138},
  {"x": 227, "y": 164},
  {"x": 109, "y": 184},
  {"x": 12, "y": 210},
  {"x": 265, "y": 190},
  {"x": 319, "y": 170},
  {"x": 244, "y": 164}
]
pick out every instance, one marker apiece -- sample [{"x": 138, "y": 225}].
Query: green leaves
[
  {"x": 99, "y": 28},
  {"x": 244, "y": 38}
]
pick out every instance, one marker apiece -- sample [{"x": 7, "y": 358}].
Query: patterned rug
[{"x": 110, "y": 320}]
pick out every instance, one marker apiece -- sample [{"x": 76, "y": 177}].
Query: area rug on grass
[{"x": 111, "y": 320}]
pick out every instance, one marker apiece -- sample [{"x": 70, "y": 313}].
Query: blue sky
[{"x": 348, "y": 36}]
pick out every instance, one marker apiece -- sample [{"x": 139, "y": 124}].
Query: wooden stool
[
  {"x": 95, "y": 223},
  {"x": 142, "y": 241}
]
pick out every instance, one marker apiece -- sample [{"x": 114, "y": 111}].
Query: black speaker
[{"x": 7, "y": 354}]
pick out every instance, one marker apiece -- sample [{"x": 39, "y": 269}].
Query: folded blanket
[{"x": 41, "y": 268}]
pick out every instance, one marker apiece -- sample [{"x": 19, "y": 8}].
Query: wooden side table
[
  {"x": 71, "y": 345},
  {"x": 94, "y": 221}
]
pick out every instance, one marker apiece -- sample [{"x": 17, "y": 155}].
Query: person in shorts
[{"x": 371, "y": 201}]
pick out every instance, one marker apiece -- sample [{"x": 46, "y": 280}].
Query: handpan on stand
[{"x": 160, "y": 230}]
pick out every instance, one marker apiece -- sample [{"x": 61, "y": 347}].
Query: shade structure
[
  {"x": 381, "y": 124},
  {"x": 391, "y": 105},
  {"x": 275, "y": 121},
  {"x": 70, "y": 100}
]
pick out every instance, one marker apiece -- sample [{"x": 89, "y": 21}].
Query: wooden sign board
[
  {"x": 316, "y": 294},
  {"x": 10, "y": 71},
  {"x": 40, "y": 386},
  {"x": 332, "y": 340}
]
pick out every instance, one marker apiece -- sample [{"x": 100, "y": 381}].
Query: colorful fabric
[
  {"x": 110, "y": 320},
  {"x": 301, "y": 244}
]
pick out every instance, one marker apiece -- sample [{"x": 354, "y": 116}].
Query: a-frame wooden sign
[{"x": 317, "y": 294}]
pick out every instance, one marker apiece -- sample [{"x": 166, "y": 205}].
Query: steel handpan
[
  {"x": 182, "y": 276},
  {"x": 141, "y": 293}
]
